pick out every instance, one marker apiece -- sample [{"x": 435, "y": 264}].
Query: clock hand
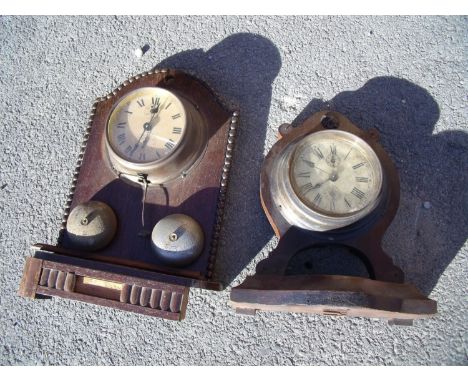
[
  {"x": 154, "y": 111},
  {"x": 326, "y": 172},
  {"x": 156, "y": 107},
  {"x": 318, "y": 185},
  {"x": 149, "y": 126},
  {"x": 145, "y": 142},
  {"x": 137, "y": 144},
  {"x": 332, "y": 177},
  {"x": 154, "y": 114}
]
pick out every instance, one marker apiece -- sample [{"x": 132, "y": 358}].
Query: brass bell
[
  {"x": 91, "y": 226},
  {"x": 177, "y": 240}
]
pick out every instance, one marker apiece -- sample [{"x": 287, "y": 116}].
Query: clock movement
[
  {"x": 328, "y": 183},
  {"x": 143, "y": 216}
]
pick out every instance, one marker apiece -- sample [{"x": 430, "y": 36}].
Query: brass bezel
[
  {"x": 295, "y": 210},
  {"x": 187, "y": 152}
]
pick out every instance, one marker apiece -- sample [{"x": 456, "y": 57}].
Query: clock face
[
  {"x": 147, "y": 125},
  {"x": 335, "y": 173}
]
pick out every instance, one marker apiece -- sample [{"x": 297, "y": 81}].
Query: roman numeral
[
  {"x": 347, "y": 203},
  {"x": 142, "y": 156},
  {"x": 358, "y": 193},
  {"x": 309, "y": 163},
  {"x": 141, "y": 102},
  {"x": 155, "y": 101},
  {"x": 318, "y": 199},
  {"x": 169, "y": 104},
  {"x": 356, "y": 166},
  {"x": 333, "y": 149},
  {"x": 306, "y": 188},
  {"x": 362, "y": 179},
  {"x": 121, "y": 138},
  {"x": 303, "y": 174},
  {"x": 129, "y": 112},
  {"x": 128, "y": 149},
  {"x": 121, "y": 125},
  {"x": 316, "y": 150},
  {"x": 176, "y": 130},
  {"x": 170, "y": 144},
  {"x": 175, "y": 116}
]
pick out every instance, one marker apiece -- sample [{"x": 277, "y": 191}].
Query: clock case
[
  {"x": 383, "y": 295},
  {"x": 126, "y": 274}
]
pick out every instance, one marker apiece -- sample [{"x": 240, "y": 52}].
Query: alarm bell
[
  {"x": 177, "y": 239},
  {"x": 91, "y": 226}
]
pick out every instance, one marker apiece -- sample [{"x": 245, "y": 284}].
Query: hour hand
[
  {"x": 318, "y": 185},
  {"x": 155, "y": 107},
  {"x": 154, "y": 112}
]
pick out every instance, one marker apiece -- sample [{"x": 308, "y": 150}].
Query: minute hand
[
  {"x": 326, "y": 172},
  {"x": 150, "y": 125},
  {"x": 137, "y": 144}
]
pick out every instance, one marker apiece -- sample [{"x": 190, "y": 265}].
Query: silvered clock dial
[
  {"x": 326, "y": 180},
  {"x": 330, "y": 180},
  {"x": 155, "y": 132}
]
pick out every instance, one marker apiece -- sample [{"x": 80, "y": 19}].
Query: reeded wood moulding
[{"x": 132, "y": 278}]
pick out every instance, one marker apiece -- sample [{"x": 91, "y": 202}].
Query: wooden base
[
  {"x": 331, "y": 295},
  {"x": 134, "y": 294},
  {"x": 383, "y": 295}
]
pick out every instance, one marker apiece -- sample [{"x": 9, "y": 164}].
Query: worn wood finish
[
  {"x": 383, "y": 295},
  {"x": 128, "y": 271},
  {"x": 158, "y": 290},
  {"x": 123, "y": 262},
  {"x": 201, "y": 187},
  {"x": 332, "y": 295},
  {"x": 31, "y": 277},
  {"x": 111, "y": 304},
  {"x": 112, "y": 290}
]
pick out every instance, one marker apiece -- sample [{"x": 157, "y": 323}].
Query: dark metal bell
[
  {"x": 91, "y": 226},
  {"x": 177, "y": 239}
]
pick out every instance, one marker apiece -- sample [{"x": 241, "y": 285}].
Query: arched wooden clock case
[
  {"x": 383, "y": 295},
  {"x": 126, "y": 274}
]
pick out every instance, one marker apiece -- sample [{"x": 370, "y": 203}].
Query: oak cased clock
[
  {"x": 328, "y": 183},
  {"x": 143, "y": 217}
]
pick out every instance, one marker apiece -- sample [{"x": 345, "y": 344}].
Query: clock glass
[
  {"x": 335, "y": 173},
  {"x": 147, "y": 125}
]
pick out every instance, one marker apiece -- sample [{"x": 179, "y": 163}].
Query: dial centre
[{"x": 334, "y": 177}]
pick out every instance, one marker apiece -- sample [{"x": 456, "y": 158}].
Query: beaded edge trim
[
  {"x": 224, "y": 176},
  {"x": 84, "y": 142},
  {"x": 222, "y": 193}
]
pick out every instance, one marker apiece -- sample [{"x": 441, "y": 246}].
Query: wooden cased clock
[
  {"x": 328, "y": 183},
  {"x": 143, "y": 217}
]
